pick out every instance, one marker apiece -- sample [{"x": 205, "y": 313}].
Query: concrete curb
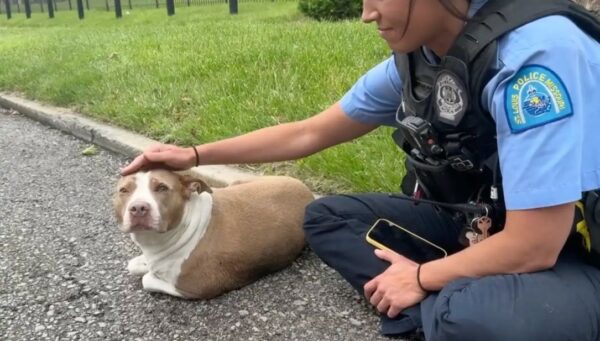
[{"x": 108, "y": 137}]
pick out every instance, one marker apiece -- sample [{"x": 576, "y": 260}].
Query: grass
[{"x": 203, "y": 75}]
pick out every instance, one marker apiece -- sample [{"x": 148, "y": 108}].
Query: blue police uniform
[{"x": 545, "y": 103}]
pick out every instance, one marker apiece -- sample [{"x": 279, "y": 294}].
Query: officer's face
[{"x": 408, "y": 24}]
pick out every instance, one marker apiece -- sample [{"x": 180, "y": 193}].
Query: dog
[{"x": 198, "y": 242}]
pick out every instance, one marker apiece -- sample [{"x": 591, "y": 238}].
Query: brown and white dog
[{"x": 198, "y": 243}]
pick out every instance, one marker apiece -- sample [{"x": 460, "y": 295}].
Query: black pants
[{"x": 562, "y": 303}]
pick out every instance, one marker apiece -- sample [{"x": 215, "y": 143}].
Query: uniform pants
[{"x": 562, "y": 303}]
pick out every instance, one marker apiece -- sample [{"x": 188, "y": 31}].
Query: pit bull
[{"x": 198, "y": 242}]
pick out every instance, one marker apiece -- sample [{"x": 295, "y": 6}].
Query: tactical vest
[{"x": 448, "y": 137}]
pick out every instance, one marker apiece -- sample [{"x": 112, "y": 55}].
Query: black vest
[{"x": 448, "y": 137}]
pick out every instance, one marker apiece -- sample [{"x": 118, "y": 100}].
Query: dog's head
[{"x": 154, "y": 200}]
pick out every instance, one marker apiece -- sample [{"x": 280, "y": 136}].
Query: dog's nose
[{"x": 139, "y": 209}]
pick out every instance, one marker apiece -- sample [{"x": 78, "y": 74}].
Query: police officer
[{"x": 525, "y": 282}]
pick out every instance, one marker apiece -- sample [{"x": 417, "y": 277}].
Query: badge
[
  {"x": 534, "y": 97},
  {"x": 450, "y": 98}
]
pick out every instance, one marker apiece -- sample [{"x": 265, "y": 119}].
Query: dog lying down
[{"x": 198, "y": 243}]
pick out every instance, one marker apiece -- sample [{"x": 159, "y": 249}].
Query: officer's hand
[
  {"x": 396, "y": 288},
  {"x": 162, "y": 156}
]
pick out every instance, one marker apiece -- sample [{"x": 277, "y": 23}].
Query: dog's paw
[
  {"x": 137, "y": 266},
  {"x": 154, "y": 284}
]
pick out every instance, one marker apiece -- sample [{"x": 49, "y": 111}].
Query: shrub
[{"x": 331, "y": 9}]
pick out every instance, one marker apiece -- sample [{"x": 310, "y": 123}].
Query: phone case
[{"x": 379, "y": 245}]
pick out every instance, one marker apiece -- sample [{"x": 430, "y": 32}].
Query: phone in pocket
[{"x": 385, "y": 234}]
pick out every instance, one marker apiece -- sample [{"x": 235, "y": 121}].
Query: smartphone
[{"x": 384, "y": 234}]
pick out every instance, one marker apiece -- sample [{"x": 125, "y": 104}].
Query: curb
[{"x": 115, "y": 139}]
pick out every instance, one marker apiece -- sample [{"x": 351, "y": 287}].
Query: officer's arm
[
  {"x": 286, "y": 141},
  {"x": 531, "y": 241}
]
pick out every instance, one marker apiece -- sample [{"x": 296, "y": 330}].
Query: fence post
[
  {"x": 41, "y": 6},
  {"x": 118, "y": 11},
  {"x": 170, "y": 7},
  {"x": 156, "y": 3},
  {"x": 80, "y": 9},
  {"x": 70, "y": 6},
  {"x": 130, "y": 5},
  {"x": 27, "y": 9},
  {"x": 233, "y": 6},
  {"x": 8, "y": 13},
  {"x": 107, "y": 7},
  {"x": 50, "y": 9},
  {"x": 87, "y": 5}
]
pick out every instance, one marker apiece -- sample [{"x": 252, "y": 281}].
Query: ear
[{"x": 194, "y": 184}]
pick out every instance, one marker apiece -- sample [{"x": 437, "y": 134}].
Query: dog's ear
[{"x": 194, "y": 184}]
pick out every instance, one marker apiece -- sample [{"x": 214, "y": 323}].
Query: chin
[
  {"x": 403, "y": 48},
  {"x": 140, "y": 228}
]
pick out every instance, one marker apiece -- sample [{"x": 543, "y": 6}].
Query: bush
[{"x": 331, "y": 9}]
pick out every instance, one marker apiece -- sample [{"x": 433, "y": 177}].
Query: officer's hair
[{"x": 450, "y": 7}]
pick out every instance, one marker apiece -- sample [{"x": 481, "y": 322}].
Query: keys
[
  {"x": 484, "y": 224},
  {"x": 473, "y": 237},
  {"x": 477, "y": 231}
]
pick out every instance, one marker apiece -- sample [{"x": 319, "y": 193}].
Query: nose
[
  {"x": 369, "y": 13},
  {"x": 139, "y": 209}
]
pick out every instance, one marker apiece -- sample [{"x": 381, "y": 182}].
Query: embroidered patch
[{"x": 534, "y": 97}]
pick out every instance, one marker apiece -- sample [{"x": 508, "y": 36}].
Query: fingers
[
  {"x": 379, "y": 299},
  {"x": 391, "y": 256},
  {"x": 134, "y": 166},
  {"x": 384, "y": 255},
  {"x": 142, "y": 160},
  {"x": 376, "y": 298},
  {"x": 388, "y": 255},
  {"x": 369, "y": 288},
  {"x": 394, "y": 311},
  {"x": 383, "y": 305},
  {"x": 386, "y": 305}
]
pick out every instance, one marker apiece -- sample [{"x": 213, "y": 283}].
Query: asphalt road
[{"x": 63, "y": 263}]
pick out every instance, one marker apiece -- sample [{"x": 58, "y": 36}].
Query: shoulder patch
[{"x": 534, "y": 97}]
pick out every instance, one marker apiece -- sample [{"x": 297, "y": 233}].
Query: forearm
[
  {"x": 530, "y": 241},
  {"x": 501, "y": 253},
  {"x": 287, "y": 141},
  {"x": 277, "y": 143}
]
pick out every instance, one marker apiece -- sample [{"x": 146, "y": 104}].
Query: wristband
[
  {"x": 419, "y": 278},
  {"x": 197, "y": 156}
]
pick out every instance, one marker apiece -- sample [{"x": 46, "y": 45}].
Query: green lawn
[{"x": 203, "y": 75}]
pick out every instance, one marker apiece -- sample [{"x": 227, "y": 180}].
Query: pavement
[{"x": 63, "y": 260}]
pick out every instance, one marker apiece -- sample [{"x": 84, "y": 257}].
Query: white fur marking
[
  {"x": 166, "y": 252},
  {"x": 151, "y": 283},
  {"x": 138, "y": 266},
  {"x": 142, "y": 193}
]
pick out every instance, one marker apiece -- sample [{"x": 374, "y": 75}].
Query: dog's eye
[
  {"x": 162, "y": 188},
  {"x": 123, "y": 190}
]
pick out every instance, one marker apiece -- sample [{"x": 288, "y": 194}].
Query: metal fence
[{"x": 41, "y": 6}]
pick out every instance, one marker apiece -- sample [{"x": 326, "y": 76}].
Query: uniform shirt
[{"x": 545, "y": 101}]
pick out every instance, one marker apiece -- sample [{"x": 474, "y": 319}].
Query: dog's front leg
[
  {"x": 138, "y": 266},
  {"x": 153, "y": 283}
]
